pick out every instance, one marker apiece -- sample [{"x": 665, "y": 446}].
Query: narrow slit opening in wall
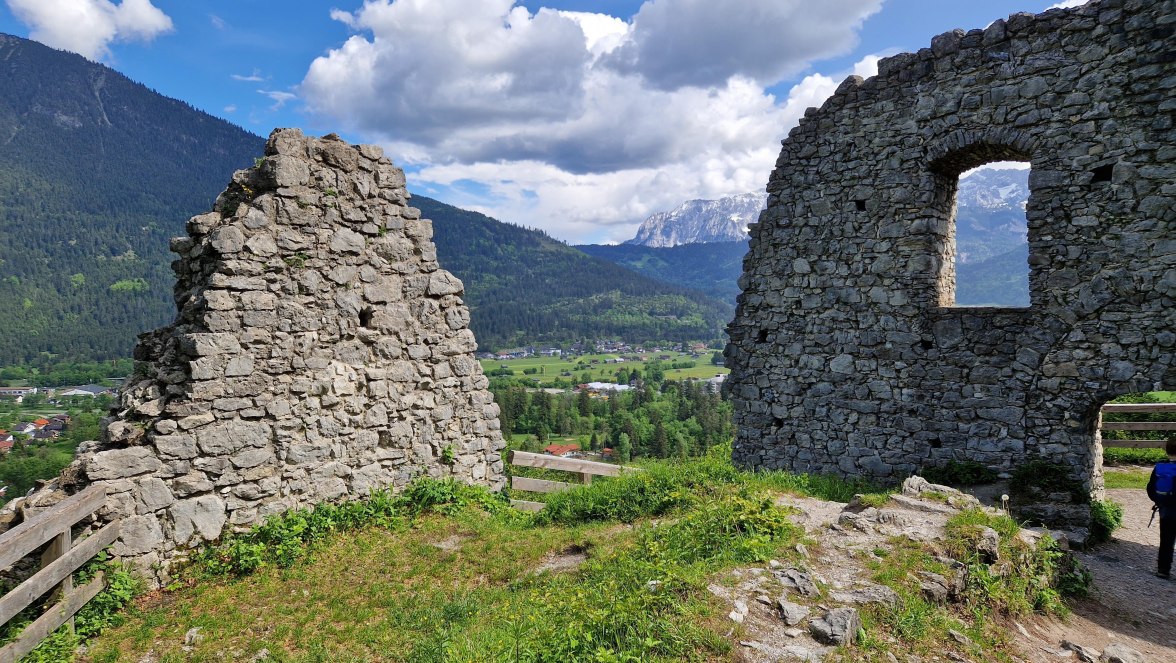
[
  {"x": 365, "y": 317},
  {"x": 991, "y": 236}
]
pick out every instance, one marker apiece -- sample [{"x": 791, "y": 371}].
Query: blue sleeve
[{"x": 1151, "y": 486}]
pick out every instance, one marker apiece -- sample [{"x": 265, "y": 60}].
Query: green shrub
[
  {"x": 1038, "y": 477},
  {"x": 1105, "y": 517},
  {"x": 1026, "y": 578},
  {"x": 100, "y": 613},
  {"x": 1119, "y": 456},
  {"x": 956, "y": 474}
]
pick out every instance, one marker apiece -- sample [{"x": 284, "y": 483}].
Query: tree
[{"x": 624, "y": 448}]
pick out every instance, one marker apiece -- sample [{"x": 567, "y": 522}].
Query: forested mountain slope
[
  {"x": 97, "y": 172},
  {"x": 523, "y": 286}
]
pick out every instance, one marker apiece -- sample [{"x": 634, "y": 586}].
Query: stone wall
[
  {"x": 318, "y": 353},
  {"x": 847, "y": 355}
]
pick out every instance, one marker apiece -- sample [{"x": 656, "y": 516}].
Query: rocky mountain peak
[{"x": 701, "y": 221}]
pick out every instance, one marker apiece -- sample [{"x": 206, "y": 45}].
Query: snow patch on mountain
[{"x": 702, "y": 221}]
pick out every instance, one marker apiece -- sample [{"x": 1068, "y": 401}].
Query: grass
[
  {"x": 448, "y": 573},
  {"x": 552, "y": 367},
  {"x": 1126, "y": 478}
]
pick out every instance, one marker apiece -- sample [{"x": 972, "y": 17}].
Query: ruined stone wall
[
  {"x": 318, "y": 353},
  {"x": 846, "y": 354}
]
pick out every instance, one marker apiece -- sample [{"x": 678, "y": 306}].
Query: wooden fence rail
[
  {"x": 1137, "y": 408},
  {"x": 585, "y": 468},
  {"x": 58, "y": 562}
]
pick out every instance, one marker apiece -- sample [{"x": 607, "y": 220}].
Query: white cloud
[
  {"x": 88, "y": 27},
  {"x": 255, "y": 77},
  {"x": 705, "y": 42},
  {"x": 279, "y": 98},
  {"x": 536, "y": 111},
  {"x": 230, "y": 108},
  {"x": 217, "y": 22},
  {"x": 1068, "y": 4}
]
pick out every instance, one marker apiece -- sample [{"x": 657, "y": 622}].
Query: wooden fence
[
  {"x": 58, "y": 562},
  {"x": 1145, "y": 408},
  {"x": 585, "y": 468}
]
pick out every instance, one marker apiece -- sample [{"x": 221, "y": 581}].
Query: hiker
[{"x": 1161, "y": 488}]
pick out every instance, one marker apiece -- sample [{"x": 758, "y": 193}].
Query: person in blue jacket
[{"x": 1161, "y": 488}]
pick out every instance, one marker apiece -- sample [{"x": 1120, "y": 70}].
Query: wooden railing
[
  {"x": 585, "y": 468},
  {"x": 1146, "y": 408},
  {"x": 58, "y": 562}
]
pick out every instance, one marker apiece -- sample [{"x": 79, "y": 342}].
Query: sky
[{"x": 577, "y": 117}]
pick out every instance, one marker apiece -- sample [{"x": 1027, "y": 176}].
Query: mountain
[
  {"x": 698, "y": 221},
  {"x": 990, "y": 214},
  {"x": 991, "y": 241},
  {"x": 98, "y": 172},
  {"x": 710, "y": 268},
  {"x": 525, "y": 287}
]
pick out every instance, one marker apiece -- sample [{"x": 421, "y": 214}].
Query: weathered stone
[
  {"x": 839, "y": 626},
  {"x": 852, "y": 263},
  {"x": 138, "y": 535},
  {"x": 201, "y": 516},
  {"x": 1120, "y": 653},
  {"x": 119, "y": 463},
  {"x": 792, "y": 613}
]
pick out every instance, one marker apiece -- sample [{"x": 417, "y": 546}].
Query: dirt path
[{"x": 1129, "y": 604}]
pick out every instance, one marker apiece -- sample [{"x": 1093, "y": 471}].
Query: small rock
[
  {"x": 193, "y": 637},
  {"x": 741, "y": 607},
  {"x": 800, "y": 653},
  {"x": 653, "y": 585},
  {"x": 1085, "y": 655},
  {"x": 1120, "y": 653},
  {"x": 989, "y": 545},
  {"x": 838, "y": 627},
  {"x": 798, "y": 580},
  {"x": 793, "y": 632},
  {"x": 261, "y": 655},
  {"x": 792, "y": 613},
  {"x": 736, "y": 616},
  {"x": 959, "y": 637},
  {"x": 764, "y": 599},
  {"x": 869, "y": 594},
  {"x": 774, "y": 564}
]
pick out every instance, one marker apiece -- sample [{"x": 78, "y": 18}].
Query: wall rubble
[
  {"x": 847, "y": 356},
  {"x": 319, "y": 352}
]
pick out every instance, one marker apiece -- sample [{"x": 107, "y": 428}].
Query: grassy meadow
[
  {"x": 615, "y": 571},
  {"x": 547, "y": 369}
]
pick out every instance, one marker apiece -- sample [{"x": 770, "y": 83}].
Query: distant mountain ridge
[
  {"x": 701, "y": 221},
  {"x": 98, "y": 172},
  {"x": 992, "y": 269}
]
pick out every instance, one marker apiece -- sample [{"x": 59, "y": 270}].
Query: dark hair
[{"x": 1170, "y": 446}]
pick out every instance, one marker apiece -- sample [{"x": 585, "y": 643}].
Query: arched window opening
[{"x": 984, "y": 192}]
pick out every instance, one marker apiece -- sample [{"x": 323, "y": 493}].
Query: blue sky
[{"x": 578, "y": 117}]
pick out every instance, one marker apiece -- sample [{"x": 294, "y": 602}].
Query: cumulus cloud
[
  {"x": 1068, "y": 4},
  {"x": 88, "y": 27},
  {"x": 706, "y": 42},
  {"x": 556, "y": 116}
]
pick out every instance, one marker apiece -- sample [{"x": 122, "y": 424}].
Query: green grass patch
[
  {"x": 1126, "y": 478},
  {"x": 460, "y": 581},
  {"x": 1113, "y": 456}
]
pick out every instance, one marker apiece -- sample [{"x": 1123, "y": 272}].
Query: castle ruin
[
  {"x": 847, "y": 354},
  {"x": 319, "y": 353}
]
